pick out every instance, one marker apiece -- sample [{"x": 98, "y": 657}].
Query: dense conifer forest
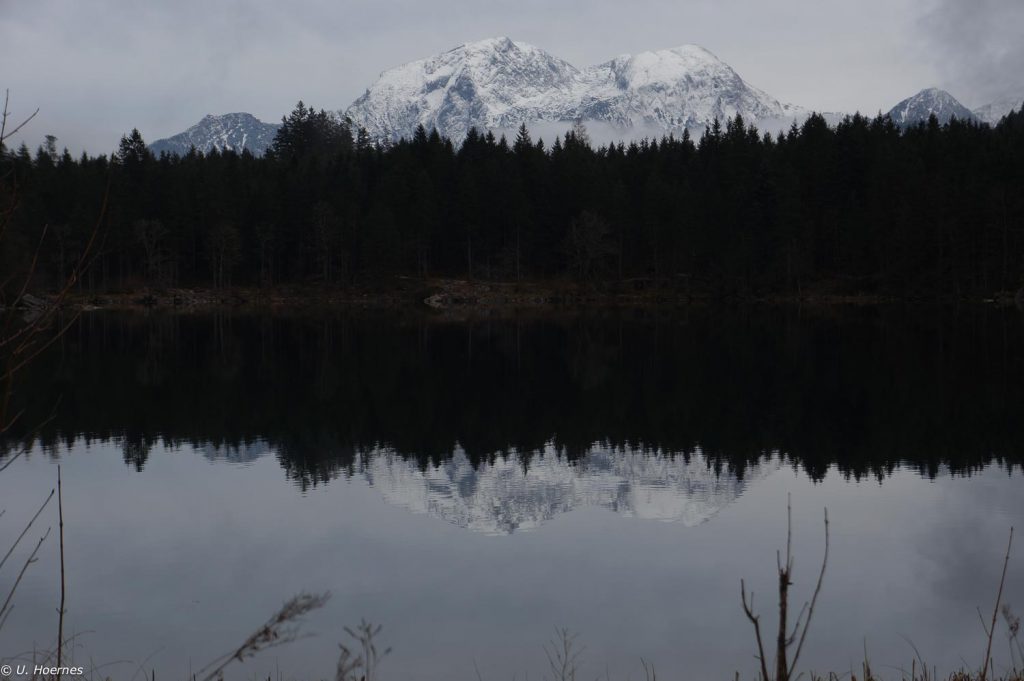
[{"x": 933, "y": 211}]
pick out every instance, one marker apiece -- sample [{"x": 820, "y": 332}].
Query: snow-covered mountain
[
  {"x": 993, "y": 112},
  {"x": 510, "y": 494},
  {"x": 499, "y": 84},
  {"x": 920, "y": 107},
  {"x": 233, "y": 131}
]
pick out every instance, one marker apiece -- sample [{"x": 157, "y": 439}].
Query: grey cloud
[{"x": 978, "y": 47}]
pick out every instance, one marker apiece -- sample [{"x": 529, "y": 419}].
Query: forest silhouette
[
  {"x": 863, "y": 392},
  {"x": 860, "y": 208}
]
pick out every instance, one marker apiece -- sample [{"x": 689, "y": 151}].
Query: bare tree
[{"x": 785, "y": 639}]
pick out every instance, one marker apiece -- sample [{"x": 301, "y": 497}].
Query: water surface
[{"x": 471, "y": 485}]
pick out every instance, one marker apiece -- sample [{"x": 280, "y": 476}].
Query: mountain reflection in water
[
  {"x": 512, "y": 493},
  {"x": 509, "y": 494}
]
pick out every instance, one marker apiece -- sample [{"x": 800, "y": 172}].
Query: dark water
[{"x": 472, "y": 485}]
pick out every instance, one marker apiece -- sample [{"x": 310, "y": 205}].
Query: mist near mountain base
[{"x": 603, "y": 134}]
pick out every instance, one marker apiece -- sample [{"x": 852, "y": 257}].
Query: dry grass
[
  {"x": 361, "y": 661},
  {"x": 282, "y": 628}
]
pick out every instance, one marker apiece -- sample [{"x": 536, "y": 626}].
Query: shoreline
[{"x": 446, "y": 294}]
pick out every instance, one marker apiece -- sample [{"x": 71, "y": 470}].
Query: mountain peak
[
  {"x": 496, "y": 44},
  {"x": 688, "y": 51},
  {"x": 236, "y": 116},
  {"x": 669, "y": 65},
  {"x": 236, "y": 131},
  {"x": 926, "y": 103}
]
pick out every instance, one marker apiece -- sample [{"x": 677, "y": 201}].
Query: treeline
[{"x": 861, "y": 207}]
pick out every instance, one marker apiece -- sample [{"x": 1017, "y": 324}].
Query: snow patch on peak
[
  {"x": 665, "y": 66},
  {"x": 497, "y": 44}
]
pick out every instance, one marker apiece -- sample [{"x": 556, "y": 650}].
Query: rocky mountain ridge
[{"x": 226, "y": 132}]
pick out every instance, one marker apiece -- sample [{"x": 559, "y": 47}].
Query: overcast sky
[{"x": 97, "y": 68}]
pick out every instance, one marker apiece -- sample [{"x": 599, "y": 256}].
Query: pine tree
[
  {"x": 523, "y": 142},
  {"x": 132, "y": 149},
  {"x": 306, "y": 133}
]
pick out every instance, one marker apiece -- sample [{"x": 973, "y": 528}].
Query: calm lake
[{"x": 471, "y": 485}]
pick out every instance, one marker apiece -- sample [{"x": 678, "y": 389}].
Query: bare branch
[
  {"x": 756, "y": 621},
  {"x": 5, "y": 608},
  {"x": 3, "y": 123},
  {"x": 60, "y": 624},
  {"x": 995, "y": 611},
  {"x": 814, "y": 598},
  {"x": 796, "y": 625},
  {"x": 25, "y": 531},
  {"x": 13, "y": 458}
]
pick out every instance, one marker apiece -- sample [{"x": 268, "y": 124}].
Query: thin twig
[
  {"x": 31, "y": 559},
  {"x": 10, "y": 460},
  {"x": 25, "y": 531},
  {"x": 756, "y": 621},
  {"x": 814, "y": 598},
  {"x": 3, "y": 122},
  {"x": 995, "y": 611},
  {"x": 60, "y": 621},
  {"x": 981, "y": 618}
]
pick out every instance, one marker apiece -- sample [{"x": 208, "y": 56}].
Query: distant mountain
[
  {"x": 920, "y": 107},
  {"x": 511, "y": 494},
  {"x": 500, "y": 84},
  {"x": 993, "y": 112},
  {"x": 233, "y": 131}
]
